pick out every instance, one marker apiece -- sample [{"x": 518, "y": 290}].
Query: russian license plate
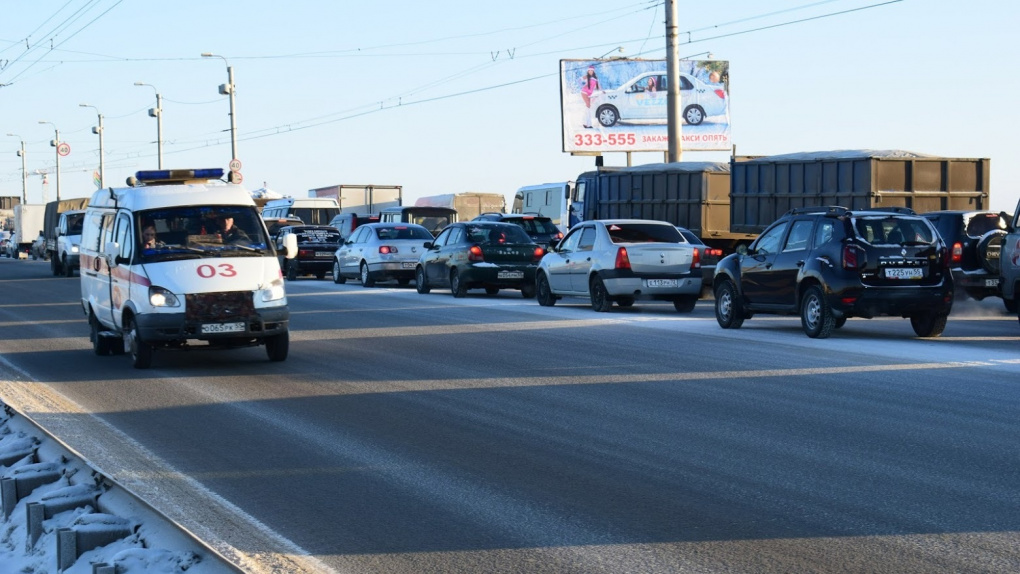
[
  {"x": 323, "y": 253},
  {"x": 991, "y": 282},
  {"x": 408, "y": 264},
  {"x": 223, "y": 328},
  {"x": 510, "y": 275},
  {"x": 662, "y": 283},
  {"x": 903, "y": 273}
]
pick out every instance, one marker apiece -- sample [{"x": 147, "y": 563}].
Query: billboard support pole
[{"x": 673, "y": 121}]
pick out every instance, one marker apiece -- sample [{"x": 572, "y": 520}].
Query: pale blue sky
[{"x": 406, "y": 93}]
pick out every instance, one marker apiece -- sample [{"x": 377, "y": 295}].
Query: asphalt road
[{"x": 422, "y": 433}]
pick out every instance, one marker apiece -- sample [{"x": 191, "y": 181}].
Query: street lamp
[
  {"x": 99, "y": 131},
  {"x": 157, "y": 112},
  {"x": 56, "y": 144},
  {"x": 24, "y": 172},
  {"x": 228, "y": 89}
]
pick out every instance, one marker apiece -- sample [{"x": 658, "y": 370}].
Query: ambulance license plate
[{"x": 223, "y": 328}]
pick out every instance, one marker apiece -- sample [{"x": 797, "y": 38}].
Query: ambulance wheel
[
  {"x": 277, "y": 347},
  {"x": 100, "y": 345},
  {"x": 141, "y": 352}
]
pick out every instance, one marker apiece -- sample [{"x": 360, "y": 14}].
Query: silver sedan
[{"x": 380, "y": 252}]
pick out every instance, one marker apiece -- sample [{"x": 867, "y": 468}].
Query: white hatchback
[{"x": 644, "y": 98}]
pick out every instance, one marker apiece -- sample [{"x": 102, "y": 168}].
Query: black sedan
[
  {"x": 316, "y": 246},
  {"x": 480, "y": 255}
]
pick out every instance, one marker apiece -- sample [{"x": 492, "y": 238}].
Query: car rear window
[
  {"x": 982, "y": 223},
  {"x": 534, "y": 225},
  {"x": 643, "y": 233},
  {"x": 504, "y": 233},
  {"x": 894, "y": 230},
  {"x": 318, "y": 236},
  {"x": 403, "y": 232}
]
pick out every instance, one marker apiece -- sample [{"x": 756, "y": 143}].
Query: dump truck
[
  {"x": 362, "y": 199},
  {"x": 729, "y": 204}
]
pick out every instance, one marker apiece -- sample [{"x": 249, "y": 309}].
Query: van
[
  {"x": 346, "y": 223},
  {"x": 209, "y": 274},
  {"x": 432, "y": 218},
  {"x": 550, "y": 200},
  {"x": 311, "y": 210}
]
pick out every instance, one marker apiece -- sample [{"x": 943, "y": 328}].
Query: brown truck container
[{"x": 764, "y": 188}]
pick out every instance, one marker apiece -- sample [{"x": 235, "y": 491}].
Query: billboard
[{"x": 620, "y": 105}]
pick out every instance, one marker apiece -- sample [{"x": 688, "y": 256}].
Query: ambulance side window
[
  {"x": 106, "y": 231},
  {"x": 90, "y": 236},
  {"x": 123, "y": 235}
]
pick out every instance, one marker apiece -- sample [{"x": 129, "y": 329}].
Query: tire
[
  {"x": 292, "y": 271},
  {"x": 815, "y": 314},
  {"x": 337, "y": 277},
  {"x": 728, "y": 312},
  {"x": 600, "y": 300},
  {"x": 492, "y": 290},
  {"x": 607, "y": 115},
  {"x": 420, "y": 283},
  {"x": 141, "y": 352},
  {"x": 694, "y": 115},
  {"x": 544, "y": 292},
  {"x": 625, "y": 301},
  {"x": 277, "y": 347},
  {"x": 66, "y": 269},
  {"x": 990, "y": 242},
  {"x": 528, "y": 291},
  {"x": 840, "y": 322},
  {"x": 1011, "y": 305},
  {"x": 366, "y": 276},
  {"x": 101, "y": 345},
  {"x": 320, "y": 275},
  {"x": 929, "y": 325},
  {"x": 685, "y": 304},
  {"x": 457, "y": 287},
  {"x": 55, "y": 266}
]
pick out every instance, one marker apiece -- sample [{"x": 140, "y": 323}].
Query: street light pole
[
  {"x": 56, "y": 144},
  {"x": 157, "y": 112},
  {"x": 24, "y": 172},
  {"x": 673, "y": 103},
  {"x": 229, "y": 89},
  {"x": 98, "y": 131}
]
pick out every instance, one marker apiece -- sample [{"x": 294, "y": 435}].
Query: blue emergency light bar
[{"x": 178, "y": 174}]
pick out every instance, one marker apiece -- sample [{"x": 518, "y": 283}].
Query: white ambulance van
[{"x": 210, "y": 273}]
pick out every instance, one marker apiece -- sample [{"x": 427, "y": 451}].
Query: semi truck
[
  {"x": 468, "y": 205},
  {"x": 729, "y": 204},
  {"x": 362, "y": 199}
]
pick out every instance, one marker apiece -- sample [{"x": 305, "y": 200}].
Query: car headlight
[
  {"x": 274, "y": 292},
  {"x": 74, "y": 248},
  {"x": 160, "y": 297}
]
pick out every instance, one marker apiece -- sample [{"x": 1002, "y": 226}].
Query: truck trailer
[
  {"x": 28, "y": 224},
  {"x": 468, "y": 205},
  {"x": 362, "y": 199}
]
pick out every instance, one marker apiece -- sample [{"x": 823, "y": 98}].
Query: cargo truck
[
  {"x": 468, "y": 205},
  {"x": 729, "y": 204},
  {"x": 362, "y": 199},
  {"x": 550, "y": 200},
  {"x": 28, "y": 224}
]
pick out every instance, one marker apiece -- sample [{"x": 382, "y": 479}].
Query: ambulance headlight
[
  {"x": 74, "y": 248},
  {"x": 274, "y": 292},
  {"x": 160, "y": 297}
]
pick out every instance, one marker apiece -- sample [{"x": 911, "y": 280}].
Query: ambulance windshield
[{"x": 201, "y": 231}]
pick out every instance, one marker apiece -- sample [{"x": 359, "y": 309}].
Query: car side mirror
[
  {"x": 742, "y": 249},
  {"x": 427, "y": 245},
  {"x": 290, "y": 246}
]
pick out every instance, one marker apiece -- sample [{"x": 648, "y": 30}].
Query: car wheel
[
  {"x": 492, "y": 290},
  {"x": 607, "y": 116},
  {"x": 419, "y": 281},
  {"x": 457, "y": 287},
  {"x": 320, "y": 275},
  {"x": 100, "y": 345},
  {"x": 625, "y": 301},
  {"x": 600, "y": 300},
  {"x": 815, "y": 315},
  {"x": 55, "y": 266},
  {"x": 1011, "y": 305},
  {"x": 544, "y": 291},
  {"x": 68, "y": 271},
  {"x": 528, "y": 290},
  {"x": 277, "y": 347},
  {"x": 728, "y": 313},
  {"x": 292, "y": 271},
  {"x": 141, "y": 352},
  {"x": 694, "y": 115},
  {"x": 685, "y": 304},
  {"x": 840, "y": 322},
  {"x": 929, "y": 324},
  {"x": 337, "y": 277},
  {"x": 366, "y": 277}
]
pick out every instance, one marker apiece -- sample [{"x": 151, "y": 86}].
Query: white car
[
  {"x": 381, "y": 252},
  {"x": 636, "y": 100}
]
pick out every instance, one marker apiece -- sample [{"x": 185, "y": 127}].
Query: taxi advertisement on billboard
[{"x": 620, "y": 105}]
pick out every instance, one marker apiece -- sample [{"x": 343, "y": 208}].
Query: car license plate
[
  {"x": 662, "y": 283},
  {"x": 323, "y": 253},
  {"x": 223, "y": 328},
  {"x": 510, "y": 275},
  {"x": 991, "y": 282},
  {"x": 903, "y": 273},
  {"x": 408, "y": 264}
]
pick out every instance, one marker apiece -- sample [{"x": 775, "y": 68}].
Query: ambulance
[{"x": 209, "y": 278}]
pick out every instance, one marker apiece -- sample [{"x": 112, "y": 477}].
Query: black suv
[
  {"x": 541, "y": 229},
  {"x": 975, "y": 246},
  {"x": 317, "y": 244},
  {"x": 828, "y": 264}
]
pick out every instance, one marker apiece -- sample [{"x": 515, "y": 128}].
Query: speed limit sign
[
  {"x": 64, "y": 148},
  {"x": 235, "y": 165}
]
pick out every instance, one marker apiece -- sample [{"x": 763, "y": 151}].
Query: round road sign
[
  {"x": 64, "y": 148},
  {"x": 235, "y": 165}
]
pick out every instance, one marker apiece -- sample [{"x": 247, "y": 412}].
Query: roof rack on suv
[
  {"x": 890, "y": 209},
  {"x": 830, "y": 209}
]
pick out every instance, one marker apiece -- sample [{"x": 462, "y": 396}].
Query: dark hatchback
[
  {"x": 829, "y": 264},
  {"x": 480, "y": 255},
  {"x": 539, "y": 228},
  {"x": 316, "y": 246}
]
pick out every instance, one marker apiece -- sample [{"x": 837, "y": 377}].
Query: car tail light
[
  {"x": 305, "y": 253},
  {"x": 386, "y": 249},
  {"x": 475, "y": 254},
  {"x": 622, "y": 259},
  {"x": 696, "y": 260},
  {"x": 713, "y": 252},
  {"x": 957, "y": 255},
  {"x": 853, "y": 257},
  {"x": 721, "y": 93},
  {"x": 848, "y": 301},
  {"x": 539, "y": 253}
]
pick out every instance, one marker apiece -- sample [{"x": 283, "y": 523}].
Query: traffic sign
[
  {"x": 63, "y": 149},
  {"x": 235, "y": 165},
  {"x": 235, "y": 177}
]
